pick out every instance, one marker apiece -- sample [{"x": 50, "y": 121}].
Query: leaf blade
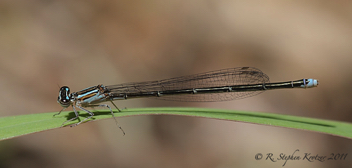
[{"x": 14, "y": 126}]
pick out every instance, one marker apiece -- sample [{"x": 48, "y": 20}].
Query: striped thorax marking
[{"x": 87, "y": 93}]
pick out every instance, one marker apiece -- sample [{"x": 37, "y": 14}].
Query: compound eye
[
  {"x": 64, "y": 96},
  {"x": 65, "y": 89}
]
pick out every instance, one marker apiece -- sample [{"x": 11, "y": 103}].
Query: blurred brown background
[{"x": 44, "y": 44}]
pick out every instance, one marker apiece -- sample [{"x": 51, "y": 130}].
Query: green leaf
[{"x": 14, "y": 126}]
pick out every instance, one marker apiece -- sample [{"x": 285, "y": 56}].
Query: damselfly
[{"x": 220, "y": 85}]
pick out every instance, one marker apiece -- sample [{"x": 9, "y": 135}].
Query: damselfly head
[{"x": 64, "y": 98}]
